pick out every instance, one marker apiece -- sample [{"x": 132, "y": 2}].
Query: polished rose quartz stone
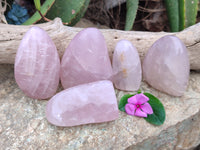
[
  {"x": 126, "y": 67},
  {"x": 166, "y": 66},
  {"x": 37, "y": 65},
  {"x": 85, "y": 59},
  {"x": 87, "y": 103}
]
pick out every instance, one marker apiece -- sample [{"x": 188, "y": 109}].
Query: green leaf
[
  {"x": 131, "y": 6},
  {"x": 36, "y": 17},
  {"x": 70, "y": 11},
  {"x": 172, "y": 7},
  {"x": 139, "y": 91},
  {"x": 158, "y": 116},
  {"x": 123, "y": 102},
  {"x": 37, "y": 4}
]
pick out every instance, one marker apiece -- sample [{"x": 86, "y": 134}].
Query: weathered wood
[{"x": 10, "y": 36}]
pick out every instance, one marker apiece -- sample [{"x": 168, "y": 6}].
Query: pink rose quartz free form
[
  {"x": 85, "y": 59},
  {"x": 37, "y": 65},
  {"x": 126, "y": 67},
  {"x": 166, "y": 66},
  {"x": 87, "y": 103}
]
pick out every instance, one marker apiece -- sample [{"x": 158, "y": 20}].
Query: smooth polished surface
[
  {"x": 88, "y": 103},
  {"x": 126, "y": 67},
  {"x": 85, "y": 59},
  {"x": 37, "y": 65},
  {"x": 166, "y": 66}
]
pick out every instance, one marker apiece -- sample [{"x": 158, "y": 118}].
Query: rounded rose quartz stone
[
  {"x": 83, "y": 104},
  {"x": 86, "y": 59},
  {"x": 37, "y": 65},
  {"x": 126, "y": 67},
  {"x": 166, "y": 66}
]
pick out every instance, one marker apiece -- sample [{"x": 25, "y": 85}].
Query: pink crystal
[
  {"x": 166, "y": 66},
  {"x": 37, "y": 65},
  {"x": 87, "y": 103},
  {"x": 85, "y": 59},
  {"x": 126, "y": 67}
]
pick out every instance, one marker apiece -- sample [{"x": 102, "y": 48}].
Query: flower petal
[
  {"x": 130, "y": 109},
  {"x": 133, "y": 99},
  {"x": 140, "y": 113},
  {"x": 147, "y": 108},
  {"x": 141, "y": 98}
]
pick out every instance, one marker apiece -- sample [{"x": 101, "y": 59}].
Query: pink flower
[{"x": 138, "y": 106}]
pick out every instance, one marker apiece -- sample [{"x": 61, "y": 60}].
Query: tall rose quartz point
[
  {"x": 88, "y": 103},
  {"x": 37, "y": 65},
  {"x": 126, "y": 67},
  {"x": 86, "y": 59},
  {"x": 166, "y": 66}
]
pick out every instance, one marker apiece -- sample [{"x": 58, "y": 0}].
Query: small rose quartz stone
[
  {"x": 126, "y": 67},
  {"x": 87, "y": 103},
  {"x": 37, "y": 65},
  {"x": 166, "y": 66},
  {"x": 85, "y": 59}
]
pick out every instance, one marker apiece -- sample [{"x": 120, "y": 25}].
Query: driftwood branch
[{"x": 11, "y": 35}]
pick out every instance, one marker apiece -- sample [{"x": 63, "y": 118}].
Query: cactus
[
  {"x": 181, "y": 13},
  {"x": 172, "y": 7},
  {"x": 191, "y": 9},
  {"x": 131, "y": 6},
  {"x": 199, "y": 5},
  {"x": 43, "y": 9},
  {"x": 70, "y": 11},
  {"x": 37, "y": 4}
]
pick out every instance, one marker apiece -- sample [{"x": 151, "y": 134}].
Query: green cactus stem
[
  {"x": 191, "y": 9},
  {"x": 37, "y": 4},
  {"x": 70, "y": 11},
  {"x": 131, "y": 6},
  {"x": 172, "y": 7},
  {"x": 181, "y": 13},
  {"x": 43, "y": 10}
]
